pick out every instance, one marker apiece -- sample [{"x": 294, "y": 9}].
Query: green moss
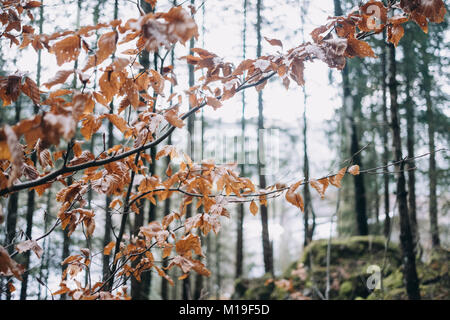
[
  {"x": 345, "y": 290},
  {"x": 279, "y": 294}
]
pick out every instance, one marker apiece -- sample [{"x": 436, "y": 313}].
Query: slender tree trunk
[
  {"x": 267, "y": 246},
  {"x": 167, "y": 202},
  {"x": 106, "y": 271},
  {"x": 309, "y": 230},
  {"x": 240, "y": 219},
  {"x": 45, "y": 254},
  {"x": 384, "y": 136},
  {"x": 140, "y": 290},
  {"x": 190, "y": 151},
  {"x": 31, "y": 193},
  {"x": 358, "y": 180},
  {"x": 406, "y": 239},
  {"x": 167, "y": 205},
  {"x": 218, "y": 267},
  {"x": 66, "y": 238},
  {"x": 13, "y": 205},
  {"x": 432, "y": 174},
  {"x": 410, "y": 140}
]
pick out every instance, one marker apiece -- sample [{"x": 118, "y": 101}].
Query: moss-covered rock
[
  {"x": 350, "y": 259},
  {"x": 433, "y": 275}
]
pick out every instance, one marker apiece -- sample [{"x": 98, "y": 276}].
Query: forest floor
[{"x": 359, "y": 268}]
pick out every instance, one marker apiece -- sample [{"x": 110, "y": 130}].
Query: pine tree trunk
[
  {"x": 240, "y": 219},
  {"x": 267, "y": 246},
  {"x": 432, "y": 176},
  {"x": 308, "y": 231},
  {"x": 406, "y": 239},
  {"x": 411, "y": 164},
  {"x": 384, "y": 136},
  {"x": 358, "y": 180}
]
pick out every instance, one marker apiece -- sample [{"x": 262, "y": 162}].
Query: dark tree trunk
[
  {"x": 384, "y": 136},
  {"x": 358, "y": 180},
  {"x": 267, "y": 246},
  {"x": 406, "y": 239},
  {"x": 411, "y": 164}
]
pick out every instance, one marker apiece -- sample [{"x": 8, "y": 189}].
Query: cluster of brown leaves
[
  {"x": 76, "y": 264},
  {"x": 320, "y": 185},
  {"x": 11, "y": 12}
]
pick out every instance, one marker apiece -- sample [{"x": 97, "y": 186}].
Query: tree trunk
[
  {"x": 308, "y": 231},
  {"x": 240, "y": 219},
  {"x": 267, "y": 247},
  {"x": 358, "y": 180},
  {"x": 31, "y": 193},
  {"x": 190, "y": 152},
  {"x": 167, "y": 202},
  {"x": 12, "y": 209},
  {"x": 406, "y": 240},
  {"x": 426, "y": 87},
  {"x": 384, "y": 136},
  {"x": 410, "y": 139}
]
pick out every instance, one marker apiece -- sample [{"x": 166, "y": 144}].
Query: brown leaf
[
  {"x": 90, "y": 125},
  {"x": 8, "y": 266},
  {"x": 106, "y": 46},
  {"x": 189, "y": 243},
  {"x": 336, "y": 179},
  {"x": 213, "y": 102},
  {"x": 295, "y": 198},
  {"x": 31, "y": 90},
  {"x": 171, "y": 116},
  {"x": 108, "y": 248},
  {"x": 30, "y": 245},
  {"x": 253, "y": 208},
  {"x": 395, "y": 33},
  {"x": 274, "y": 42},
  {"x": 358, "y": 48},
  {"x": 297, "y": 69},
  {"x": 60, "y": 77},
  {"x": 354, "y": 170},
  {"x": 118, "y": 122},
  {"x": 66, "y": 50},
  {"x": 15, "y": 154}
]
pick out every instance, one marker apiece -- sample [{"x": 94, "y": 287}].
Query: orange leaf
[
  {"x": 60, "y": 77},
  {"x": 395, "y": 33},
  {"x": 253, "y": 208},
  {"x": 66, "y": 50},
  {"x": 108, "y": 248},
  {"x": 274, "y": 42},
  {"x": 295, "y": 198},
  {"x": 172, "y": 117},
  {"x": 213, "y": 102},
  {"x": 359, "y": 48},
  {"x": 336, "y": 179}
]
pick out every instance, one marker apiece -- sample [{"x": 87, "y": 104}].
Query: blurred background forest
[{"x": 324, "y": 252}]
